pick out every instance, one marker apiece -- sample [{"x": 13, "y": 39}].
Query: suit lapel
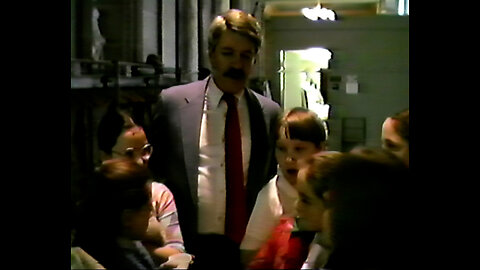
[
  {"x": 259, "y": 136},
  {"x": 259, "y": 148},
  {"x": 191, "y": 115}
]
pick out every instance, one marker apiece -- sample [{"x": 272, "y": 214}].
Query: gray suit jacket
[{"x": 175, "y": 139}]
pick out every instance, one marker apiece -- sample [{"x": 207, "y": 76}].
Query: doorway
[{"x": 301, "y": 79}]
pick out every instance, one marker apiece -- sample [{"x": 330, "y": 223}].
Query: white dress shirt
[
  {"x": 317, "y": 254},
  {"x": 211, "y": 169},
  {"x": 276, "y": 199}
]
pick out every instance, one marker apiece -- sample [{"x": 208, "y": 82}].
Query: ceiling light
[{"x": 318, "y": 13}]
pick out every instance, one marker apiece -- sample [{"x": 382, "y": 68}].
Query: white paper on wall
[{"x": 352, "y": 84}]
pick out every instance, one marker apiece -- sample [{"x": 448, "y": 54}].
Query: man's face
[{"x": 232, "y": 62}]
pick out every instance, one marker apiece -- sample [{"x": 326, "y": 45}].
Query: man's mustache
[{"x": 236, "y": 74}]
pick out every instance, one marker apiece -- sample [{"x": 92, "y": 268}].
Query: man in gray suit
[{"x": 188, "y": 137}]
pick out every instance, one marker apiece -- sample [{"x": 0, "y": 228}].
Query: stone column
[
  {"x": 119, "y": 22},
  {"x": 169, "y": 32},
  {"x": 257, "y": 12},
  {"x": 187, "y": 40},
  {"x": 148, "y": 31},
  {"x": 205, "y": 16}
]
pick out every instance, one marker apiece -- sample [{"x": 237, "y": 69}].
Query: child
[
  {"x": 356, "y": 201},
  {"x": 114, "y": 216},
  {"x": 300, "y": 134},
  {"x": 395, "y": 135},
  {"x": 120, "y": 137},
  {"x": 312, "y": 206}
]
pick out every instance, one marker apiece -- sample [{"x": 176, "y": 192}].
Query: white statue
[{"x": 97, "y": 39}]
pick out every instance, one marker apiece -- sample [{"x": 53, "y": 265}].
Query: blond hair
[{"x": 237, "y": 21}]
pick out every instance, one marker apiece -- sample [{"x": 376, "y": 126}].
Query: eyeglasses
[{"x": 145, "y": 152}]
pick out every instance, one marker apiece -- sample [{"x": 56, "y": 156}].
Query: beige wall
[{"x": 375, "y": 49}]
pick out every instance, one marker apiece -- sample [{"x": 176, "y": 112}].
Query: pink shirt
[{"x": 165, "y": 212}]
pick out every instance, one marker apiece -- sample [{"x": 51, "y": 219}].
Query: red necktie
[{"x": 236, "y": 212}]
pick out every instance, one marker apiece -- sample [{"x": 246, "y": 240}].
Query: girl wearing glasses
[{"x": 120, "y": 137}]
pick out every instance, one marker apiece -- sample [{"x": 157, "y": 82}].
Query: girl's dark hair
[
  {"x": 320, "y": 171},
  {"x": 368, "y": 188},
  {"x": 302, "y": 124},
  {"x": 123, "y": 181},
  {"x": 110, "y": 127},
  {"x": 119, "y": 184}
]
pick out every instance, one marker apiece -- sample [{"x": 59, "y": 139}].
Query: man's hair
[{"x": 237, "y": 21}]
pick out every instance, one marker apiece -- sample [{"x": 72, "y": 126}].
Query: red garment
[{"x": 283, "y": 250}]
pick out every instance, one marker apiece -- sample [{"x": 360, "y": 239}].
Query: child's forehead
[
  {"x": 135, "y": 131},
  {"x": 285, "y": 133},
  {"x": 282, "y": 139}
]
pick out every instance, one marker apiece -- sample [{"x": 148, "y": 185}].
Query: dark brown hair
[
  {"x": 111, "y": 126},
  {"x": 320, "y": 171},
  {"x": 302, "y": 124},
  {"x": 368, "y": 189},
  {"x": 119, "y": 184},
  {"x": 124, "y": 182}
]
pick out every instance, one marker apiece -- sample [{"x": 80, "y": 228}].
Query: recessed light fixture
[{"x": 318, "y": 13}]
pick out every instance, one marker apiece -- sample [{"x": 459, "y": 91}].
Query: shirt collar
[
  {"x": 285, "y": 186},
  {"x": 214, "y": 94}
]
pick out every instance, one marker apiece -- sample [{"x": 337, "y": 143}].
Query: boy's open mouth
[{"x": 292, "y": 172}]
